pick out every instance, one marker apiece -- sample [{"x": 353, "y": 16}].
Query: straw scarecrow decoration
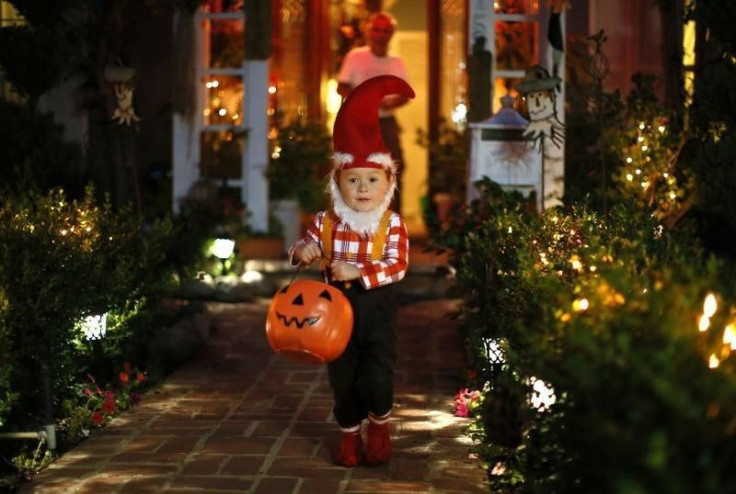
[{"x": 545, "y": 130}]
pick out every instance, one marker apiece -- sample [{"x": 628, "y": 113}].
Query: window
[{"x": 220, "y": 90}]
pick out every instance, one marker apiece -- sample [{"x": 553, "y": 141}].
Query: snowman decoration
[{"x": 545, "y": 131}]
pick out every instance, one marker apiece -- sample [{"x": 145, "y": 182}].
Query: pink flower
[
  {"x": 461, "y": 410},
  {"x": 463, "y": 399},
  {"x": 109, "y": 395},
  {"x": 87, "y": 392}
]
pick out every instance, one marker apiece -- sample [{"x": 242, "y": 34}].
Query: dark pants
[
  {"x": 390, "y": 131},
  {"x": 362, "y": 378}
]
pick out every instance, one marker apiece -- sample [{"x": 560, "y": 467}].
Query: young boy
[{"x": 364, "y": 248}]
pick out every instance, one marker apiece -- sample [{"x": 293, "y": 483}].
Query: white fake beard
[{"x": 363, "y": 222}]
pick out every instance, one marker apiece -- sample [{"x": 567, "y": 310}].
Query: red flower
[
  {"x": 97, "y": 418},
  {"x": 140, "y": 376},
  {"x": 472, "y": 374},
  {"x": 126, "y": 366},
  {"x": 124, "y": 377},
  {"x": 108, "y": 406}
]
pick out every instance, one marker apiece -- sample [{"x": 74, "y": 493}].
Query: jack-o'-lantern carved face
[{"x": 309, "y": 321}]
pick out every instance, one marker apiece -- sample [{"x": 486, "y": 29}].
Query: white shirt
[{"x": 361, "y": 64}]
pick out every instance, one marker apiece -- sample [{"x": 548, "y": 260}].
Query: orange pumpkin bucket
[{"x": 309, "y": 322}]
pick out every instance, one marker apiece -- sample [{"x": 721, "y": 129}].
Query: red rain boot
[
  {"x": 378, "y": 449},
  {"x": 351, "y": 448}
]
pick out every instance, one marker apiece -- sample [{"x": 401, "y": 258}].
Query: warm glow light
[
  {"x": 334, "y": 100},
  {"x": 729, "y": 336},
  {"x": 580, "y": 305},
  {"x": 713, "y": 361},
  {"x": 271, "y": 89},
  {"x": 703, "y": 323},
  {"x": 710, "y": 305}
]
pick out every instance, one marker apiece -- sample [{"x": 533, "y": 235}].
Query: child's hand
[
  {"x": 308, "y": 253},
  {"x": 344, "y": 271}
]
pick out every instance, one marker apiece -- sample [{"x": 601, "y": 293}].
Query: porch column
[{"x": 255, "y": 153}]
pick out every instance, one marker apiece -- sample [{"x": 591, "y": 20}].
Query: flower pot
[
  {"x": 288, "y": 213},
  {"x": 443, "y": 203}
]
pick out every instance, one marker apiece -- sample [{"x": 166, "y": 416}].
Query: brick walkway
[{"x": 237, "y": 418}]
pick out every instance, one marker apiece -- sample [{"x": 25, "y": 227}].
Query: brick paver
[{"x": 238, "y": 418}]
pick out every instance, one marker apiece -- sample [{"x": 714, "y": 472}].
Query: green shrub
[
  {"x": 59, "y": 262},
  {"x": 604, "y": 310}
]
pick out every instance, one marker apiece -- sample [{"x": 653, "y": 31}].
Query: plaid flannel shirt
[{"x": 349, "y": 246}]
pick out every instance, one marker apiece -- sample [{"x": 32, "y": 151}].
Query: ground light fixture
[
  {"x": 94, "y": 327},
  {"x": 223, "y": 248}
]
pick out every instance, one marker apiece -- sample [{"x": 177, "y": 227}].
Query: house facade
[{"x": 211, "y": 109}]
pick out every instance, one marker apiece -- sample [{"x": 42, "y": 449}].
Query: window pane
[
  {"x": 215, "y": 6},
  {"x": 226, "y": 43},
  {"x": 220, "y": 155},
  {"x": 516, "y": 45},
  {"x": 223, "y": 103},
  {"x": 516, "y": 6}
]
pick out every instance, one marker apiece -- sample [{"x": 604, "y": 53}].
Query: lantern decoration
[{"x": 309, "y": 322}]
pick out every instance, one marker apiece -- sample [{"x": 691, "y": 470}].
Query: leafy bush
[
  {"x": 604, "y": 311},
  {"x": 60, "y": 262}
]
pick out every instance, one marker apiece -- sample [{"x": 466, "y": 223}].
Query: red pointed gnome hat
[{"x": 356, "y": 137}]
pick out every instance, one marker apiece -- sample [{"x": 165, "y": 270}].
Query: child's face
[{"x": 363, "y": 189}]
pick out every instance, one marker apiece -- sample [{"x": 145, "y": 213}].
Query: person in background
[{"x": 373, "y": 60}]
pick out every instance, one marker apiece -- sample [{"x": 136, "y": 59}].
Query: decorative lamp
[
  {"x": 94, "y": 327},
  {"x": 500, "y": 151}
]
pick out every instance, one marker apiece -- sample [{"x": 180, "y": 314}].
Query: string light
[{"x": 710, "y": 305}]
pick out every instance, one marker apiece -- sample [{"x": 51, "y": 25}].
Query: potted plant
[
  {"x": 448, "y": 157},
  {"x": 300, "y": 161}
]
